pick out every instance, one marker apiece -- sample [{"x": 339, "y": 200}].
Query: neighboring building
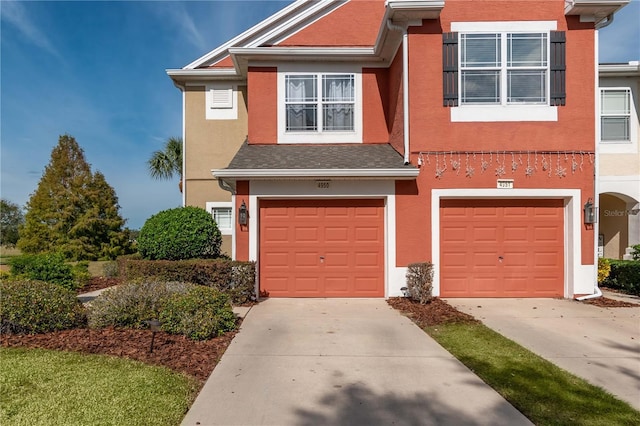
[
  {"x": 619, "y": 159},
  {"x": 369, "y": 135}
]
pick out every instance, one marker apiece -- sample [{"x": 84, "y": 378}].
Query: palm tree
[{"x": 168, "y": 162}]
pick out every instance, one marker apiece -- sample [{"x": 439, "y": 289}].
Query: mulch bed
[
  {"x": 436, "y": 312},
  {"x": 178, "y": 353},
  {"x": 605, "y": 302}
]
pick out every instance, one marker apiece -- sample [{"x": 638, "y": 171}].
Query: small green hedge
[
  {"x": 234, "y": 278},
  {"x": 51, "y": 268},
  {"x": 201, "y": 313},
  {"x": 31, "y": 307},
  {"x": 178, "y": 234},
  {"x": 132, "y": 304},
  {"x": 624, "y": 275}
]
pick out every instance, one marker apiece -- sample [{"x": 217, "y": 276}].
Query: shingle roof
[{"x": 316, "y": 156}]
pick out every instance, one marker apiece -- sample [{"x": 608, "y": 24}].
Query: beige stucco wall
[
  {"x": 613, "y": 225},
  {"x": 210, "y": 144}
]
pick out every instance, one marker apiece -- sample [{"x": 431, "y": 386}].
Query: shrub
[
  {"x": 131, "y": 304},
  {"x": 200, "y": 313},
  {"x": 178, "y": 234},
  {"x": 636, "y": 252},
  {"x": 110, "y": 269},
  {"x": 624, "y": 276},
  {"x": 604, "y": 268},
  {"x": 30, "y": 307},
  {"x": 420, "y": 281},
  {"x": 237, "y": 279},
  {"x": 51, "y": 268}
]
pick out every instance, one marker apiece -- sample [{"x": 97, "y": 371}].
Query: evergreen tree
[
  {"x": 11, "y": 218},
  {"x": 73, "y": 211}
]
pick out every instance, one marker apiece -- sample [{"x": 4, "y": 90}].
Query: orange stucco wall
[
  {"x": 356, "y": 23},
  {"x": 431, "y": 128},
  {"x": 242, "y": 232},
  {"x": 263, "y": 105}
]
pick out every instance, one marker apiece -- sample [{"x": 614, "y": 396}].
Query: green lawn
[
  {"x": 41, "y": 387},
  {"x": 543, "y": 392}
]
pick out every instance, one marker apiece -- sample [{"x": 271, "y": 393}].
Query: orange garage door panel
[
  {"x": 322, "y": 248},
  {"x": 502, "y": 248}
]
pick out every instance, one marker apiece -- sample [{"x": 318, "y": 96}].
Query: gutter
[
  {"x": 405, "y": 84},
  {"x": 230, "y": 174}
]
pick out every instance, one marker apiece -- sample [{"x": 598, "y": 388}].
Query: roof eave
[
  {"x": 314, "y": 174},
  {"x": 632, "y": 69},
  {"x": 593, "y": 10}
]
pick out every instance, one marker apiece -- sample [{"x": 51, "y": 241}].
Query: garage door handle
[
  {"x": 500, "y": 258},
  {"x": 321, "y": 259}
]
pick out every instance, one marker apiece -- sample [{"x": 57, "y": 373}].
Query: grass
[
  {"x": 543, "y": 392},
  {"x": 7, "y": 253},
  {"x": 42, "y": 387}
]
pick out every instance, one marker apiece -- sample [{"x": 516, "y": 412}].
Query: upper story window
[
  {"x": 323, "y": 106},
  {"x": 504, "y": 71},
  {"x": 615, "y": 115},
  {"x": 504, "y": 68},
  {"x": 319, "y": 102}
]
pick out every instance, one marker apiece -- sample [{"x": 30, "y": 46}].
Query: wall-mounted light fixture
[
  {"x": 242, "y": 214},
  {"x": 589, "y": 212}
]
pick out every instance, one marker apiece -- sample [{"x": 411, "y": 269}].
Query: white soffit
[{"x": 595, "y": 9}]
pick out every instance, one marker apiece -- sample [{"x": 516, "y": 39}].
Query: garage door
[
  {"x": 322, "y": 248},
  {"x": 502, "y": 248}
]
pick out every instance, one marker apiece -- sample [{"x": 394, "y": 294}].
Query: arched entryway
[{"x": 619, "y": 225}]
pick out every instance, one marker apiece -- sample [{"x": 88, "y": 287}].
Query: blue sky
[{"x": 96, "y": 70}]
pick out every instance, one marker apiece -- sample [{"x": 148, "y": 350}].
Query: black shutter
[
  {"x": 450, "y": 68},
  {"x": 558, "y": 68}
]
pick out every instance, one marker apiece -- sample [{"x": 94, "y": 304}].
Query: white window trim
[
  {"x": 354, "y": 136},
  {"x": 633, "y": 125},
  {"x": 505, "y": 112},
  {"x": 211, "y": 205},
  {"x": 227, "y": 110}
]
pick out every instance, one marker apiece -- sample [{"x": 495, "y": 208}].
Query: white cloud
[
  {"x": 15, "y": 14},
  {"x": 178, "y": 16}
]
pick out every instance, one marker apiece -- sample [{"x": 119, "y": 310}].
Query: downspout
[
  {"x": 600, "y": 25},
  {"x": 405, "y": 85},
  {"x": 596, "y": 173}
]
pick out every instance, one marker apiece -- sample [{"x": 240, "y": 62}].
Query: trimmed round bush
[
  {"x": 31, "y": 307},
  {"x": 179, "y": 234},
  {"x": 132, "y": 304},
  {"x": 201, "y": 313}
]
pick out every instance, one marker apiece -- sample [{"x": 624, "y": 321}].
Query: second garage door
[
  {"x": 502, "y": 248},
  {"x": 322, "y": 248}
]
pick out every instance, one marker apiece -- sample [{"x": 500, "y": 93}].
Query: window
[
  {"x": 503, "y": 68},
  {"x": 615, "y": 115},
  {"x": 502, "y": 71},
  {"x": 320, "y": 102},
  {"x": 223, "y": 216}
]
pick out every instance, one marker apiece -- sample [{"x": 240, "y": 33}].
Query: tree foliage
[
  {"x": 179, "y": 234},
  {"x": 73, "y": 211},
  {"x": 168, "y": 162},
  {"x": 11, "y": 218}
]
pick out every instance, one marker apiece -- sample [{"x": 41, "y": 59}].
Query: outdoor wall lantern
[
  {"x": 242, "y": 214},
  {"x": 589, "y": 212}
]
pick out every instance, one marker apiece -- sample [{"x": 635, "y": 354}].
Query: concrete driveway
[
  {"x": 601, "y": 345},
  {"x": 342, "y": 361}
]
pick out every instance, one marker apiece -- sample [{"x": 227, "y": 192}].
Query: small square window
[{"x": 223, "y": 216}]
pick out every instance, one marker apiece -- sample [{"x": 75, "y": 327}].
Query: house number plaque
[
  {"x": 323, "y": 184},
  {"x": 505, "y": 183}
]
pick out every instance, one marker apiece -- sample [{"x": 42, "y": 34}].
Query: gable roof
[
  {"x": 292, "y": 34},
  {"x": 317, "y": 161}
]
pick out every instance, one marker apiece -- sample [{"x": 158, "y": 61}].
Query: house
[
  {"x": 619, "y": 159},
  {"x": 350, "y": 139}
]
